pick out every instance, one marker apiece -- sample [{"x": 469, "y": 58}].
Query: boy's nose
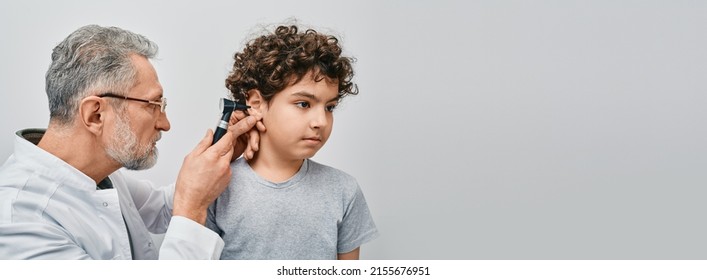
[{"x": 319, "y": 119}]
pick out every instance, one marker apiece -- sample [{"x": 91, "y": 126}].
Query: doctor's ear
[{"x": 92, "y": 114}]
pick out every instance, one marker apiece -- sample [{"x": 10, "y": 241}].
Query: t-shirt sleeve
[{"x": 357, "y": 226}]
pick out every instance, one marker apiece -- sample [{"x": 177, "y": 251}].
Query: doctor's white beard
[{"x": 124, "y": 147}]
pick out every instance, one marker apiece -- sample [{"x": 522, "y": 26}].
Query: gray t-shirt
[{"x": 316, "y": 214}]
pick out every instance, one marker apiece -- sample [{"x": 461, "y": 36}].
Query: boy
[{"x": 281, "y": 204}]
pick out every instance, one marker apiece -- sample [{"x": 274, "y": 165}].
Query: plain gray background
[{"x": 483, "y": 130}]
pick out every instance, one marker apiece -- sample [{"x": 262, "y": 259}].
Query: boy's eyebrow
[{"x": 312, "y": 96}]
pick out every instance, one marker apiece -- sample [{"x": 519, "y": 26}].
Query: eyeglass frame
[{"x": 162, "y": 103}]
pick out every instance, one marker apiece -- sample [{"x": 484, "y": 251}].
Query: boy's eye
[
  {"x": 330, "y": 108},
  {"x": 302, "y": 104}
]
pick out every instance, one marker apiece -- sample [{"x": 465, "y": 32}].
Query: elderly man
[{"x": 61, "y": 194}]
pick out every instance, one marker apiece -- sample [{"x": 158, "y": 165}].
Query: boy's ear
[{"x": 256, "y": 101}]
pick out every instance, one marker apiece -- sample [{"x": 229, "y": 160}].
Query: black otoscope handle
[{"x": 222, "y": 127}]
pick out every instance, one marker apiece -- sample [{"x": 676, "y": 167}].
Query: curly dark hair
[{"x": 274, "y": 61}]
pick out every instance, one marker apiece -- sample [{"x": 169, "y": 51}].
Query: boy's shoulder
[
  {"x": 329, "y": 170},
  {"x": 329, "y": 173}
]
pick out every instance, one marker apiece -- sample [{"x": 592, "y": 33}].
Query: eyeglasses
[{"x": 162, "y": 103}]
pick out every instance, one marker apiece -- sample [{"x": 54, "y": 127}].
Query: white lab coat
[{"x": 50, "y": 210}]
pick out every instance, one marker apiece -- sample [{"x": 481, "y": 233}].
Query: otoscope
[{"x": 227, "y": 107}]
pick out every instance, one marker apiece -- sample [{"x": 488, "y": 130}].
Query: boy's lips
[{"x": 313, "y": 139}]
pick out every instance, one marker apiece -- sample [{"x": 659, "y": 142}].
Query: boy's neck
[{"x": 273, "y": 168}]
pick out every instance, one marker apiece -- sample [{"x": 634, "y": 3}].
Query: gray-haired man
[{"x": 61, "y": 194}]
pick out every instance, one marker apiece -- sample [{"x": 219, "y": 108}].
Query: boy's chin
[{"x": 307, "y": 155}]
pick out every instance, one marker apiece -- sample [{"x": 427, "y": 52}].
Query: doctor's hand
[
  {"x": 205, "y": 172},
  {"x": 247, "y": 143}
]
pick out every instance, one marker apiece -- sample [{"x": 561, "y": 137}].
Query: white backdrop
[{"x": 483, "y": 130}]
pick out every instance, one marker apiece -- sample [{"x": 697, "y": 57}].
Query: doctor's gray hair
[{"x": 90, "y": 61}]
